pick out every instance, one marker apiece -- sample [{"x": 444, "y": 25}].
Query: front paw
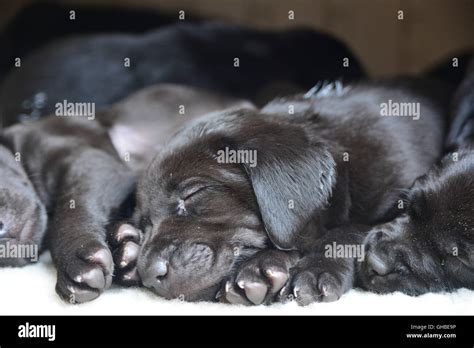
[
  {"x": 125, "y": 241},
  {"x": 316, "y": 279},
  {"x": 259, "y": 279},
  {"x": 84, "y": 272}
]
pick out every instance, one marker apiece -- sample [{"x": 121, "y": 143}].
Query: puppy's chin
[
  {"x": 208, "y": 294},
  {"x": 393, "y": 283},
  {"x": 408, "y": 283}
]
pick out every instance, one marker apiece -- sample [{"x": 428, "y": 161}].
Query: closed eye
[
  {"x": 184, "y": 206},
  {"x": 197, "y": 189},
  {"x": 187, "y": 194},
  {"x": 181, "y": 208}
]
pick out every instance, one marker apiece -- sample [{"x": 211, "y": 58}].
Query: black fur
[
  {"x": 22, "y": 214},
  {"x": 462, "y": 127},
  {"x": 430, "y": 247},
  {"x": 91, "y": 68},
  {"x": 195, "y": 211},
  {"x": 83, "y": 182}
]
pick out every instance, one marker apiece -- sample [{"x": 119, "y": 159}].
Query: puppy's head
[
  {"x": 227, "y": 186},
  {"x": 22, "y": 215},
  {"x": 431, "y": 246}
]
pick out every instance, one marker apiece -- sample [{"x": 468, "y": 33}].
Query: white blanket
[{"x": 30, "y": 291}]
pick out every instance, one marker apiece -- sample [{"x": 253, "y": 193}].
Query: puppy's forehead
[
  {"x": 186, "y": 153},
  {"x": 228, "y": 121},
  {"x": 183, "y": 143}
]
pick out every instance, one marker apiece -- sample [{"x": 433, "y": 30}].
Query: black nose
[
  {"x": 155, "y": 272},
  {"x": 377, "y": 266}
]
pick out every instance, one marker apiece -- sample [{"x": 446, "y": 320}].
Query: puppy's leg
[
  {"x": 259, "y": 279},
  {"x": 328, "y": 271},
  {"x": 92, "y": 186}
]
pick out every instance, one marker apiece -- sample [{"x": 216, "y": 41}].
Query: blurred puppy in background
[{"x": 223, "y": 58}]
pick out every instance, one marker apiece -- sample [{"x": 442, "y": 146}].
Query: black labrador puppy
[
  {"x": 430, "y": 247},
  {"x": 223, "y": 58},
  {"x": 246, "y": 195},
  {"x": 84, "y": 173}
]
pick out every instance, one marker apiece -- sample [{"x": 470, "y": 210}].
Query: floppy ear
[{"x": 292, "y": 179}]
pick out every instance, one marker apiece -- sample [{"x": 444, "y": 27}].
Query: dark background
[{"x": 431, "y": 31}]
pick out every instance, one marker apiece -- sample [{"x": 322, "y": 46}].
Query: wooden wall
[{"x": 430, "y": 31}]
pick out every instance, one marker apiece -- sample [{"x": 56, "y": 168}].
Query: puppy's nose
[
  {"x": 155, "y": 273},
  {"x": 376, "y": 266}
]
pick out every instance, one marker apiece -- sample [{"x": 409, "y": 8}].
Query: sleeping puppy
[
  {"x": 85, "y": 182},
  {"x": 246, "y": 195},
  {"x": 22, "y": 215},
  {"x": 223, "y": 58},
  {"x": 430, "y": 247}
]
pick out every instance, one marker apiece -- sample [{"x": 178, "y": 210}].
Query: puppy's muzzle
[{"x": 172, "y": 271}]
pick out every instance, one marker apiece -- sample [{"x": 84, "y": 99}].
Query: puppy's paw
[
  {"x": 126, "y": 245},
  {"x": 307, "y": 287},
  {"x": 85, "y": 272},
  {"x": 318, "y": 280},
  {"x": 259, "y": 279}
]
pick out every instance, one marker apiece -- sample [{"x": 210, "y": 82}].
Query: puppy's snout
[
  {"x": 172, "y": 270},
  {"x": 155, "y": 273}
]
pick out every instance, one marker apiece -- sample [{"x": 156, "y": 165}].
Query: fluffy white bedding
[{"x": 30, "y": 291}]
